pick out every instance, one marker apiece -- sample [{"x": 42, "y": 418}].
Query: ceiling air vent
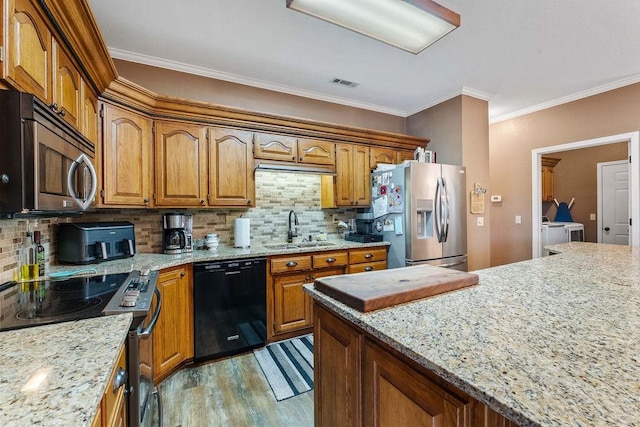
[{"x": 343, "y": 82}]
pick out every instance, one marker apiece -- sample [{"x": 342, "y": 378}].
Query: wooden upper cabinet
[
  {"x": 352, "y": 186},
  {"x": 402, "y": 155},
  {"x": 381, "y": 155},
  {"x": 548, "y": 182},
  {"x": 126, "y": 157},
  {"x": 29, "y": 45},
  {"x": 316, "y": 152},
  {"x": 275, "y": 147},
  {"x": 180, "y": 164},
  {"x": 88, "y": 112},
  {"x": 66, "y": 87},
  {"x": 231, "y": 177}
]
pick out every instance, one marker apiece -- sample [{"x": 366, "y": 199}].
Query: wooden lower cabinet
[
  {"x": 336, "y": 371},
  {"x": 289, "y": 308},
  {"x": 359, "y": 381},
  {"x": 173, "y": 334},
  {"x": 397, "y": 395},
  {"x": 112, "y": 410},
  {"x": 367, "y": 259}
]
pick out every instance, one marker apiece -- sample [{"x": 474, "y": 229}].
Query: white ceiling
[{"x": 519, "y": 55}]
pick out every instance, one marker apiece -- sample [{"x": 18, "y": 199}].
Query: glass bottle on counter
[
  {"x": 28, "y": 259},
  {"x": 39, "y": 253}
]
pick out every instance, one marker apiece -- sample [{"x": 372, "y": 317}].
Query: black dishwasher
[{"x": 230, "y": 312}]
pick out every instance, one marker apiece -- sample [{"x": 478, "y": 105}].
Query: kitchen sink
[{"x": 297, "y": 245}]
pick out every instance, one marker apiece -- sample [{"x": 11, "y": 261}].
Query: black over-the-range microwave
[{"x": 46, "y": 166}]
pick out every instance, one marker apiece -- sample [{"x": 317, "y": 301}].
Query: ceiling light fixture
[{"x": 411, "y": 25}]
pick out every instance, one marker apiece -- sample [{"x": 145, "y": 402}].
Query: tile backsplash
[{"x": 277, "y": 193}]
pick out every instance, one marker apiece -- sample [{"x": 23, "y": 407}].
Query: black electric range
[{"x": 26, "y": 304}]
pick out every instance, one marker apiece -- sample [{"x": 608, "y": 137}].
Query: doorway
[
  {"x": 613, "y": 202},
  {"x": 632, "y": 138}
]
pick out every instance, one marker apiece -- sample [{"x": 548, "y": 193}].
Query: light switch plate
[
  {"x": 480, "y": 221},
  {"x": 592, "y": 217},
  {"x": 518, "y": 219}
]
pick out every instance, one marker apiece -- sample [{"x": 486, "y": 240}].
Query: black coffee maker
[
  {"x": 364, "y": 229},
  {"x": 176, "y": 233}
]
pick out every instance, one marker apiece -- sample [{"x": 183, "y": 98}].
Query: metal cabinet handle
[
  {"x": 62, "y": 113},
  {"x": 54, "y": 106},
  {"x": 182, "y": 274},
  {"x": 146, "y": 200},
  {"x": 202, "y": 201},
  {"x": 119, "y": 379},
  {"x": 291, "y": 264},
  {"x": 248, "y": 202},
  {"x": 330, "y": 260},
  {"x": 367, "y": 256},
  {"x": 368, "y": 268}
]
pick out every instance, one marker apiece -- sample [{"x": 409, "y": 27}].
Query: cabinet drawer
[
  {"x": 368, "y": 266},
  {"x": 330, "y": 259},
  {"x": 367, "y": 255},
  {"x": 290, "y": 263}
]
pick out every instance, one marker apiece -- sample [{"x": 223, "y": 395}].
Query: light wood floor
[{"x": 230, "y": 392}]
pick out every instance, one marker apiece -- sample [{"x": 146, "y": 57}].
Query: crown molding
[
  {"x": 463, "y": 91},
  {"x": 233, "y": 78},
  {"x": 566, "y": 99}
]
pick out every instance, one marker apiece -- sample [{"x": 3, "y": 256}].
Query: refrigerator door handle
[
  {"x": 447, "y": 211},
  {"x": 438, "y": 210}
]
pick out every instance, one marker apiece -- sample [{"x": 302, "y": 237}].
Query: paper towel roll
[{"x": 241, "y": 233}]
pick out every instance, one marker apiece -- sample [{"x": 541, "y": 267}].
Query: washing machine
[{"x": 553, "y": 233}]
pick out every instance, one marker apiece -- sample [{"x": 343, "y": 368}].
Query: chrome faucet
[{"x": 291, "y": 234}]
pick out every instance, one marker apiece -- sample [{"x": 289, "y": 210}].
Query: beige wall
[
  {"x": 459, "y": 133},
  {"x": 576, "y": 176},
  {"x": 511, "y": 142},
  {"x": 442, "y": 124},
  {"x": 189, "y": 86}
]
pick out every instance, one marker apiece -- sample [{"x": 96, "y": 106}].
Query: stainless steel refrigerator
[{"x": 421, "y": 209}]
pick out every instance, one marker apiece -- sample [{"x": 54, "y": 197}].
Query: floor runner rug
[{"x": 288, "y": 366}]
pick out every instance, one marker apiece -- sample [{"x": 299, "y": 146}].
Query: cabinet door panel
[
  {"x": 402, "y": 155},
  {"x": 231, "y": 179},
  {"x": 29, "y": 50},
  {"x": 292, "y": 304},
  {"x": 316, "y": 152},
  {"x": 66, "y": 87},
  {"x": 361, "y": 171},
  {"x": 336, "y": 371},
  {"x": 275, "y": 147},
  {"x": 181, "y": 164},
  {"x": 396, "y": 394},
  {"x": 382, "y": 155},
  {"x": 173, "y": 334},
  {"x": 126, "y": 157},
  {"x": 89, "y": 113},
  {"x": 344, "y": 175}
]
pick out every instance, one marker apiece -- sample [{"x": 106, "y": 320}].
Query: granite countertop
[
  {"x": 551, "y": 341},
  {"x": 77, "y": 359},
  {"x": 160, "y": 261}
]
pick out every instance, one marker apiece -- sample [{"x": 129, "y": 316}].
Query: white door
[{"x": 613, "y": 197}]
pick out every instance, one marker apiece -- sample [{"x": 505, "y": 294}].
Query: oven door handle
[{"x": 146, "y": 332}]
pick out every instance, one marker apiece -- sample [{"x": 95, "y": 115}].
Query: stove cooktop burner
[{"x": 47, "y": 301}]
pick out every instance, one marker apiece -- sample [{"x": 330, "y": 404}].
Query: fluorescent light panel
[{"x": 411, "y": 25}]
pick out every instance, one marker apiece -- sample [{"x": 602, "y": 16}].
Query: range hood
[{"x": 275, "y": 166}]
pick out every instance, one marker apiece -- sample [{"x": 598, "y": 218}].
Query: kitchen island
[
  {"x": 551, "y": 341},
  {"x": 56, "y": 375}
]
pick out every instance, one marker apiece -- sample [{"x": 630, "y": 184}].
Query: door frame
[
  {"x": 599, "y": 184},
  {"x": 633, "y": 138}
]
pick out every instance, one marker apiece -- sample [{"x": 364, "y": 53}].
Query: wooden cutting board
[{"x": 374, "y": 290}]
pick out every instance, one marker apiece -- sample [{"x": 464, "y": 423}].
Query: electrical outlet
[
  {"x": 480, "y": 221},
  {"x": 518, "y": 219},
  {"x": 334, "y": 218}
]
